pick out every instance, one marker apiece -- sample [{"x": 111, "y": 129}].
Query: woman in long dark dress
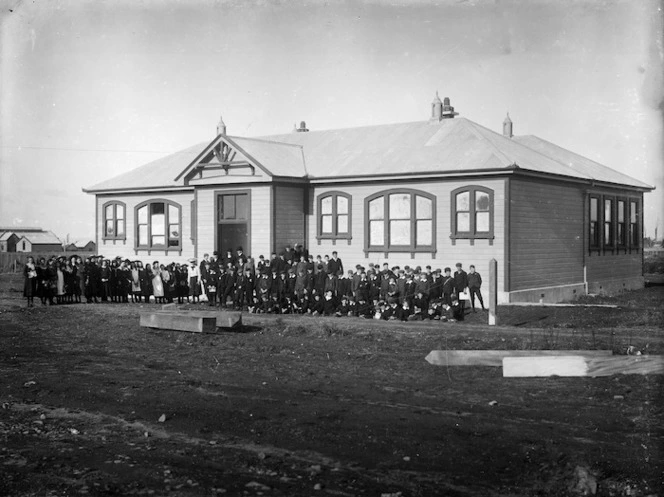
[
  {"x": 42, "y": 280},
  {"x": 30, "y": 284}
]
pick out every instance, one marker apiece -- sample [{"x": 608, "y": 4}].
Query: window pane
[
  {"x": 481, "y": 201},
  {"x": 326, "y": 205},
  {"x": 400, "y": 232},
  {"x": 173, "y": 235},
  {"x": 158, "y": 240},
  {"x": 377, "y": 209},
  {"x": 119, "y": 211},
  {"x": 608, "y": 208},
  {"x": 463, "y": 201},
  {"x": 621, "y": 234},
  {"x": 143, "y": 215},
  {"x": 143, "y": 234},
  {"x": 158, "y": 208},
  {"x": 632, "y": 212},
  {"x": 228, "y": 207},
  {"x": 376, "y": 233},
  {"x": 424, "y": 233},
  {"x": 121, "y": 228},
  {"x": 342, "y": 224},
  {"x": 482, "y": 222},
  {"x": 326, "y": 224},
  {"x": 594, "y": 235},
  {"x": 242, "y": 206},
  {"x": 423, "y": 207},
  {"x": 109, "y": 212},
  {"x": 621, "y": 211},
  {"x": 593, "y": 209},
  {"x": 608, "y": 240},
  {"x": 342, "y": 205},
  {"x": 400, "y": 206},
  {"x": 173, "y": 214},
  {"x": 158, "y": 223},
  {"x": 463, "y": 222},
  {"x": 109, "y": 228}
]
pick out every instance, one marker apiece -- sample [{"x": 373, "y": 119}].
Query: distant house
[
  {"x": 8, "y": 241},
  {"x": 88, "y": 247},
  {"x": 42, "y": 241},
  {"x": 432, "y": 192}
]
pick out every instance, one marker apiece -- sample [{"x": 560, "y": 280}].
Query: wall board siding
[
  {"x": 125, "y": 248},
  {"x": 447, "y": 254},
  {"x": 546, "y": 234},
  {"x": 260, "y": 219},
  {"x": 289, "y": 216}
]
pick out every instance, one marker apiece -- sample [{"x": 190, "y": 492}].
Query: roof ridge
[
  {"x": 499, "y": 153},
  {"x": 316, "y": 131},
  {"x": 263, "y": 140}
]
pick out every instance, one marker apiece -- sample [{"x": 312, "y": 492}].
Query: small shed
[
  {"x": 42, "y": 242},
  {"x": 8, "y": 241}
]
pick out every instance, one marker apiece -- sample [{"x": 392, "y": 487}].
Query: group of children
[
  {"x": 63, "y": 280},
  {"x": 290, "y": 283},
  {"x": 297, "y": 283}
]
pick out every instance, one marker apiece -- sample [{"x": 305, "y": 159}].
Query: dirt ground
[{"x": 93, "y": 404}]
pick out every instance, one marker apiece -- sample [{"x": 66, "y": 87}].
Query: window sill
[
  {"x": 334, "y": 238},
  {"x": 472, "y": 238}
]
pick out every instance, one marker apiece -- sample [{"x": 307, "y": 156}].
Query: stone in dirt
[
  {"x": 584, "y": 482},
  {"x": 162, "y": 418}
]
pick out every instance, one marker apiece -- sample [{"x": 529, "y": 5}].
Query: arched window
[
  {"x": 400, "y": 220},
  {"x": 158, "y": 225},
  {"x": 472, "y": 213},
  {"x": 334, "y": 216},
  {"x": 114, "y": 220}
]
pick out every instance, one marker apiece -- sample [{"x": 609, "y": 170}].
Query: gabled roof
[
  {"x": 42, "y": 238},
  {"x": 7, "y": 235},
  {"x": 451, "y": 146}
]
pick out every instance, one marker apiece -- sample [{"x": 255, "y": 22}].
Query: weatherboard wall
[
  {"x": 447, "y": 253},
  {"x": 546, "y": 227},
  {"x": 289, "y": 216},
  {"x": 126, "y": 249}
]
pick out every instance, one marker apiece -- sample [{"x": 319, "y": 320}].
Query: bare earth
[{"x": 300, "y": 406}]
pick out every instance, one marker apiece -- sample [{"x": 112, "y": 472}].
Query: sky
[{"x": 92, "y": 89}]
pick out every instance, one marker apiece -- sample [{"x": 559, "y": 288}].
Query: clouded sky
[{"x": 90, "y": 89}]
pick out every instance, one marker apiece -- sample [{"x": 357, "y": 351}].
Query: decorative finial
[{"x": 221, "y": 127}]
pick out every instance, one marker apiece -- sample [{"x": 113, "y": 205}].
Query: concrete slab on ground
[
  {"x": 495, "y": 357},
  {"x": 542, "y": 366}
]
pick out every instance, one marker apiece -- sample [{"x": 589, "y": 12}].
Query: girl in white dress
[{"x": 157, "y": 284}]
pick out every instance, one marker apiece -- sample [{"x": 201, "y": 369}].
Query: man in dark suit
[{"x": 460, "y": 284}]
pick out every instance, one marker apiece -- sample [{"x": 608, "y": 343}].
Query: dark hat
[{"x": 239, "y": 249}]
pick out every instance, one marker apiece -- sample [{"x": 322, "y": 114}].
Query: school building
[{"x": 433, "y": 192}]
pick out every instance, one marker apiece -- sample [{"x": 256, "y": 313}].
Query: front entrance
[{"x": 233, "y": 222}]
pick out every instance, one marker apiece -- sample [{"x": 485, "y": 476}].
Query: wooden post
[{"x": 493, "y": 291}]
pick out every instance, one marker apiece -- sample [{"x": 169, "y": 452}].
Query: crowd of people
[{"x": 292, "y": 282}]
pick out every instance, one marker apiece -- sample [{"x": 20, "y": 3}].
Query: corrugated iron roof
[
  {"x": 158, "y": 173},
  {"x": 280, "y": 159},
  {"x": 42, "y": 238},
  {"x": 449, "y": 146},
  {"x": 579, "y": 164}
]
